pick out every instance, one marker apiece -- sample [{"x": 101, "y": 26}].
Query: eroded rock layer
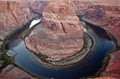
[
  {"x": 106, "y": 15},
  {"x": 12, "y": 72},
  {"x": 12, "y": 16},
  {"x": 113, "y": 69},
  {"x": 59, "y": 35}
]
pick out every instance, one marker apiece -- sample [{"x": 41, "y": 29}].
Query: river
[{"x": 87, "y": 67}]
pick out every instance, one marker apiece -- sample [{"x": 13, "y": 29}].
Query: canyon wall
[
  {"x": 12, "y": 72},
  {"x": 12, "y": 16},
  {"x": 105, "y": 15}
]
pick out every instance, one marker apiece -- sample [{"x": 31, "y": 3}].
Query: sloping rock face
[
  {"x": 113, "y": 69},
  {"x": 13, "y": 15},
  {"x": 11, "y": 72},
  {"x": 59, "y": 35},
  {"x": 105, "y": 15}
]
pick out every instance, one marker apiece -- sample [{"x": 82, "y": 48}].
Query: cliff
[
  {"x": 113, "y": 69},
  {"x": 12, "y": 16},
  {"x": 106, "y": 16},
  {"x": 60, "y": 34},
  {"x": 12, "y": 72}
]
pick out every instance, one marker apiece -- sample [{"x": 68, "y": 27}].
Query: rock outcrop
[
  {"x": 60, "y": 34},
  {"x": 11, "y": 72},
  {"x": 106, "y": 16},
  {"x": 113, "y": 69},
  {"x": 13, "y": 15}
]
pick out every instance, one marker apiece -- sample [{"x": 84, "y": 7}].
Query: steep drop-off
[{"x": 12, "y": 16}]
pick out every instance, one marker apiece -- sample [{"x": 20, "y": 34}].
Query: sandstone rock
[
  {"x": 13, "y": 15},
  {"x": 59, "y": 35},
  {"x": 113, "y": 69},
  {"x": 37, "y": 6},
  {"x": 106, "y": 16},
  {"x": 11, "y": 72}
]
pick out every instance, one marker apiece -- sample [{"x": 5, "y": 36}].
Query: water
[
  {"x": 34, "y": 22},
  {"x": 89, "y": 66}
]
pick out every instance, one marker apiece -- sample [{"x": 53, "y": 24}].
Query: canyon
[{"x": 104, "y": 14}]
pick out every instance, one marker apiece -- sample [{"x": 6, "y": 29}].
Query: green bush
[{"x": 5, "y": 59}]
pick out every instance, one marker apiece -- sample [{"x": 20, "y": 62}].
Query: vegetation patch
[{"x": 5, "y": 60}]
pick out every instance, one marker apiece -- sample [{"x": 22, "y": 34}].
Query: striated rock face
[
  {"x": 13, "y": 15},
  {"x": 59, "y": 35},
  {"x": 113, "y": 69},
  {"x": 105, "y": 15},
  {"x": 11, "y": 72}
]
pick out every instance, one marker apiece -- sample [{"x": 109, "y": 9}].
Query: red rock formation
[
  {"x": 11, "y": 72},
  {"x": 106, "y": 16},
  {"x": 59, "y": 35},
  {"x": 113, "y": 69},
  {"x": 13, "y": 15}
]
